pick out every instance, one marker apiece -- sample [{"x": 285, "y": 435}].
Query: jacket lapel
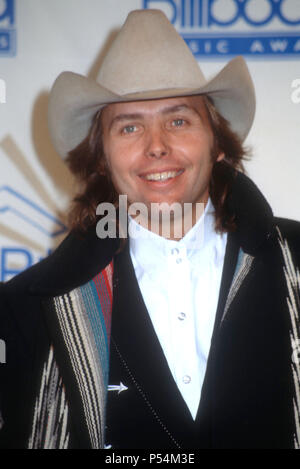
[
  {"x": 138, "y": 347},
  {"x": 76, "y": 302},
  {"x": 79, "y": 322}
]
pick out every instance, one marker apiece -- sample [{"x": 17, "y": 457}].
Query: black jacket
[{"x": 249, "y": 398}]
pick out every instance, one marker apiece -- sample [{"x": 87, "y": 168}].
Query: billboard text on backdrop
[
  {"x": 256, "y": 28},
  {"x": 7, "y": 28}
]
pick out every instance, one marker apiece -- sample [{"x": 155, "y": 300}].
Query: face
[{"x": 160, "y": 150}]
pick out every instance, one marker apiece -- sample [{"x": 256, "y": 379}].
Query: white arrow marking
[{"x": 119, "y": 388}]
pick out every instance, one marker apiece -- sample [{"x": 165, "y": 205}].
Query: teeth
[{"x": 162, "y": 176}]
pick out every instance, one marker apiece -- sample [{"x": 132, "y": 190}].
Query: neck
[{"x": 172, "y": 221}]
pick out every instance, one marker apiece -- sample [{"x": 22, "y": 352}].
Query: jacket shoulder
[{"x": 76, "y": 261}]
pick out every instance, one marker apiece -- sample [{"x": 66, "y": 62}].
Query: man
[{"x": 159, "y": 341}]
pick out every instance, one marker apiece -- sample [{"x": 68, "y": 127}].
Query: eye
[
  {"x": 178, "y": 122},
  {"x": 129, "y": 129}
]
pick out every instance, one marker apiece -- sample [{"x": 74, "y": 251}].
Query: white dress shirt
[{"x": 180, "y": 283}]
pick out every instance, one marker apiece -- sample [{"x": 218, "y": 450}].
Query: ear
[{"x": 221, "y": 156}]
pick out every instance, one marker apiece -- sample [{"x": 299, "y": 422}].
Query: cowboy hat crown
[{"x": 147, "y": 60}]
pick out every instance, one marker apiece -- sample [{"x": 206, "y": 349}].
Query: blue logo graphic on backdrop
[
  {"x": 7, "y": 28},
  {"x": 256, "y": 28},
  {"x": 17, "y": 210}
]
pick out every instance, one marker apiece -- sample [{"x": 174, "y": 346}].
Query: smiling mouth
[{"x": 163, "y": 176}]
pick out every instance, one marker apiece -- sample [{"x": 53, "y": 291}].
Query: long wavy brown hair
[{"x": 87, "y": 162}]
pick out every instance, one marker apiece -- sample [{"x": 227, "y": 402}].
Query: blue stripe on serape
[
  {"x": 238, "y": 264},
  {"x": 96, "y": 319}
]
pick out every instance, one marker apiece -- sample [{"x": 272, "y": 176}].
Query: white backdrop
[{"x": 49, "y": 36}]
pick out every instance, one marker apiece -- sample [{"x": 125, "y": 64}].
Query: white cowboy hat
[{"x": 147, "y": 60}]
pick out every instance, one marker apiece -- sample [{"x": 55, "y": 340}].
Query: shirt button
[
  {"x": 179, "y": 260},
  {"x": 181, "y": 316},
  {"x": 186, "y": 379},
  {"x": 174, "y": 251}
]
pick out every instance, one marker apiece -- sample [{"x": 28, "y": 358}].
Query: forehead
[{"x": 152, "y": 107}]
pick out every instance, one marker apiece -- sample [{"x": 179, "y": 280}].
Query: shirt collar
[{"x": 149, "y": 248}]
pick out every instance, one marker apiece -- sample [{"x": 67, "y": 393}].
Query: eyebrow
[
  {"x": 182, "y": 107},
  {"x": 125, "y": 117},
  {"x": 179, "y": 107}
]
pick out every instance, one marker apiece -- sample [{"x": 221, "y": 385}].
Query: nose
[{"x": 156, "y": 145}]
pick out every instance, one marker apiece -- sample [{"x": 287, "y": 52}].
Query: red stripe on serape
[
  {"x": 108, "y": 277},
  {"x": 103, "y": 283}
]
